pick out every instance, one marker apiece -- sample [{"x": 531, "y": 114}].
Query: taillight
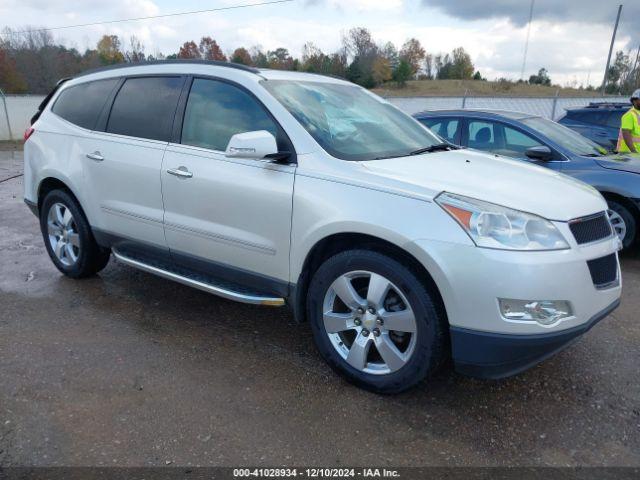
[{"x": 28, "y": 132}]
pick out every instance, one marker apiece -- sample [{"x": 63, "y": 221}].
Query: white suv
[{"x": 274, "y": 188}]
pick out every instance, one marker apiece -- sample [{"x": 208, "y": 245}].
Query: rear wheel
[
  {"x": 624, "y": 223},
  {"x": 374, "y": 322},
  {"x": 68, "y": 238}
]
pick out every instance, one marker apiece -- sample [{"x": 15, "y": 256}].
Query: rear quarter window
[
  {"x": 145, "y": 107},
  {"x": 82, "y": 104}
]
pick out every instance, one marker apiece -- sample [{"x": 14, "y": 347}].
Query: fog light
[{"x": 545, "y": 312}]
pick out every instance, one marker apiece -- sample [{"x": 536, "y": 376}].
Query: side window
[
  {"x": 615, "y": 118},
  {"x": 517, "y": 142},
  {"x": 591, "y": 117},
  {"x": 444, "y": 127},
  {"x": 481, "y": 135},
  {"x": 82, "y": 104},
  {"x": 145, "y": 107},
  {"x": 217, "y": 110}
]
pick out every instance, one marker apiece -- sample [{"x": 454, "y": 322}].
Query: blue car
[
  {"x": 599, "y": 122},
  {"x": 544, "y": 142}
]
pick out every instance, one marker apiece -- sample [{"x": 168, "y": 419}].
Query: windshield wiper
[{"x": 438, "y": 147}]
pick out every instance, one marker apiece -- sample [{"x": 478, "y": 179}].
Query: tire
[
  {"x": 623, "y": 218},
  {"x": 417, "y": 353},
  {"x": 68, "y": 237}
]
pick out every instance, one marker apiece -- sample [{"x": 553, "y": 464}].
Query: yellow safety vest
[{"x": 630, "y": 119}]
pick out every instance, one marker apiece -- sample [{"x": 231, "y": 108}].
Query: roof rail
[
  {"x": 607, "y": 105},
  {"x": 237, "y": 66}
]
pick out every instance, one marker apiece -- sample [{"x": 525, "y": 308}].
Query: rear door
[
  {"x": 123, "y": 159},
  {"x": 230, "y": 217}
]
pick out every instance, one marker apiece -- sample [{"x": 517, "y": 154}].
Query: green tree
[
  {"x": 11, "y": 81},
  {"x": 381, "y": 71},
  {"x": 403, "y": 73},
  {"x": 413, "y": 53},
  {"x": 241, "y": 55},
  {"x": 462, "y": 66},
  {"x": 542, "y": 78},
  {"x": 280, "y": 59},
  {"x": 109, "y": 50},
  {"x": 258, "y": 57}
]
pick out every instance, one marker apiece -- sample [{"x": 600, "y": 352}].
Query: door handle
[
  {"x": 180, "y": 172},
  {"x": 97, "y": 156}
]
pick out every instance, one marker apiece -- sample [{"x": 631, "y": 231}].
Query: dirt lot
[{"x": 129, "y": 369}]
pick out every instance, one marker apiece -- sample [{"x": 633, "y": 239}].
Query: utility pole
[
  {"x": 526, "y": 43},
  {"x": 613, "y": 39}
]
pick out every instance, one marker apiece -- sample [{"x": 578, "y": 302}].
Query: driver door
[{"x": 226, "y": 216}]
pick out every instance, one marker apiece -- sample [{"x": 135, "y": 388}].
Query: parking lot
[{"x": 129, "y": 369}]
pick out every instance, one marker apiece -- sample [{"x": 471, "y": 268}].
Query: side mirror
[
  {"x": 254, "y": 145},
  {"x": 542, "y": 154}
]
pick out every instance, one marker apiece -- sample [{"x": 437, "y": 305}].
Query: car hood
[
  {"x": 494, "y": 179},
  {"x": 624, "y": 162}
]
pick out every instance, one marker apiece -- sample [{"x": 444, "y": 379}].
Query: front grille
[
  {"x": 590, "y": 229},
  {"x": 604, "y": 270}
]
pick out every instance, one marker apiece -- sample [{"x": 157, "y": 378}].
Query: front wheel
[
  {"x": 623, "y": 222},
  {"x": 375, "y": 322}
]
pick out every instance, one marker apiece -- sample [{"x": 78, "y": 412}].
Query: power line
[{"x": 232, "y": 7}]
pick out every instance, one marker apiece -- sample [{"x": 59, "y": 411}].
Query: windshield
[
  {"x": 565, "y": 137},
  {"x": 349, "y": 122}
]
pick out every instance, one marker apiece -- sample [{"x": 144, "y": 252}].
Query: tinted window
[
  {"x": 481, "y": 134},
  {"x": 81, "y": 104},
  {"x": 517, "y": 142},
  {"x": 445, "y": 127},
  {"x": 145, "y": 107},
  {"x": 217, "y": 110},
  {"x": 615, "y": 118},
  {"x": 591, "y": 117},
  {"x": 498, "y": 138}
]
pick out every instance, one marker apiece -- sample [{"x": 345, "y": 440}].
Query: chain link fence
[
  {"x": 16, "y": 110},
  {"x": 15, "y": 113},
  {"x": 547, "y": 107}
]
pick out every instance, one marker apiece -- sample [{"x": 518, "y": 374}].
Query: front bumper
[
  {"x": 471, "y": 280},
  {"x": 495, "y": 355}
]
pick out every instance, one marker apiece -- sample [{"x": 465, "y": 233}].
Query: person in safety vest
[{"x": 629, "y": 136}]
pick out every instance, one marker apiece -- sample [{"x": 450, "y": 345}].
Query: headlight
[{"x": 494, "y": 226}]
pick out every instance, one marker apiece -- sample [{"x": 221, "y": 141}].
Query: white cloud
[{"x": 569, "y": 50}]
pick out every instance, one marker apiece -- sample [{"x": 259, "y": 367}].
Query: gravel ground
[{"x": 129, "y": 369}]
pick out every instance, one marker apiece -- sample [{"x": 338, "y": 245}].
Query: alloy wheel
[
  {"x": 63, "y": 234},
  {"x": 618, "y": 224},
  {"x": 369, "y": 322}
]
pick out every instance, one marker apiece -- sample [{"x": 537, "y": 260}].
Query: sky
[{"x": 568, "y": 37}]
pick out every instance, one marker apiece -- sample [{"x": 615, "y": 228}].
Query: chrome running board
[{"x": 206, "y": 287}]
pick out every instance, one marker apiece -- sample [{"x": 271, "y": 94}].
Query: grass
[{"x": 435, "y": 88}]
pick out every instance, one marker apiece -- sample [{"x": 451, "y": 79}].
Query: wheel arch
[
  {"x": 51, "y": 183},
  {"x": 624, "y": 201},
  {"x": 340, "y": 242}
]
